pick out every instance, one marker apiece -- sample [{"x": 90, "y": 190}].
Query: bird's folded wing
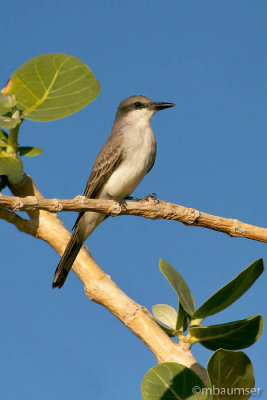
[{"x": 108, "y": 159}]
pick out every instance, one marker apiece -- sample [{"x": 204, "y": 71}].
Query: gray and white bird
[{"x": 127, "y": 156}]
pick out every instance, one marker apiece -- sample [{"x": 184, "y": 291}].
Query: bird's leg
[
  {"x": 151, "y": 196},
  {"x": 121, "y": 202},
  {"x": 132, "y": 198}
]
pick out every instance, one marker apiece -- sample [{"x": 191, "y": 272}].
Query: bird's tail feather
[{"x": 65, "y": 264}]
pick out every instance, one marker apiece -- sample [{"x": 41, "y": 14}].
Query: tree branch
[
  {"x": 22, "y": 224},
  {"x": 153, "y": 209},
  {"x": 98, "y": 286}
]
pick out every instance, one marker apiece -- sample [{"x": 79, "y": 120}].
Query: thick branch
[
  {"x": 153, "y": 209},
  {"x": 100, "y": 288}
]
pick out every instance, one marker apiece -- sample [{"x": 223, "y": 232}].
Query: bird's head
[{"x": 139, "y": 109}]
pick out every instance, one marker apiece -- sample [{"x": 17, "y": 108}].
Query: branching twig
[
  {"x": 22, "y": 224},
  {"x": 144, "y": 208}
]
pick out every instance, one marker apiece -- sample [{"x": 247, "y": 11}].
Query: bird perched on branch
[{"x": 127, "y": 156}]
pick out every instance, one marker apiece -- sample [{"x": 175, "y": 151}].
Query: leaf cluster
[
  {"x": 46, "y": 88},
  {"x": 232, "y": 335},
  {"x": 228, "y": 370},
  {"x": 230, "y": 376}
]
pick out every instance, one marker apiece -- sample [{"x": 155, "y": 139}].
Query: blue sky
[{"x": 209, "y": 58}]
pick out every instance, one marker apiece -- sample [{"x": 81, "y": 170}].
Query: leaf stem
[{"x": 12, "y": 141}]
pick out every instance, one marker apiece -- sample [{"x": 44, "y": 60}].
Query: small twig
[{"x": 22, "y": 224}]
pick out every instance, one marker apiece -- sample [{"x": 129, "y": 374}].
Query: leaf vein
[
  {"x": 59, "y": 107},
  {"x": 42, "y": 99},
  {"x": 168, "y": 386},
  {"x": 69, "y": 94},
  {"x": 70, "y": 69},
  {"x": 27, "y": 88},
  {"x": 39, "y": 76},
  {"x": 68, "y": 84}
]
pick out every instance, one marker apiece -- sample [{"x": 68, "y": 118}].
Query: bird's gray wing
[{"x": 108, "y": 159}]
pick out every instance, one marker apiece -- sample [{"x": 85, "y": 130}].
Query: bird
[{"x": 127, "y": 156}]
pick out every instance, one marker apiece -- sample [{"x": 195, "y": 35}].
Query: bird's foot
[
  {"x": 121, "y": 202},
  {"x": 152, "y": 196}
]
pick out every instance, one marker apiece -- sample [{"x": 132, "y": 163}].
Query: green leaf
[
  {"x": 231, "y": 375},
  {"x": 29, "y": 151},
  {"x": 172, "y": 381},
  {"x": 3, "y": 135},
  {"x": 12, "y": 167},
  {"x": 9, "y": 122},
  {"x": 179, "y": 285},
  {"x": 3, "y": 138},
  {"x": 166, "y": 317},
  {"x": 229, "y": 293},
  {"x": 52, "y": 86},
  {"x": 6, "y": 103},
  {"x": 183, "y": 319},
  {"x": 165, "y": 314},
  {"x": 233, "y": 335}
]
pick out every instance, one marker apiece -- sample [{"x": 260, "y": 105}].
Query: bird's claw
[
  {"x": 121, "y": 202},
  {"x": 152, "y": 196}
]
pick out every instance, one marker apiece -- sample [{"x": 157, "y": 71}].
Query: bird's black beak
[{"x": 160, "y": 106}]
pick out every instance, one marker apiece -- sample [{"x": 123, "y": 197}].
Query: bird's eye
[{"x": 137, "y": 104}]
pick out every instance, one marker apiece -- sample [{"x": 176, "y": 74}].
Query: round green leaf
[
  {"x": 233, "y": 335},
  {"x": 52, "y": 86},
  {"x": 231, "y": 375},
  {"x": 172, "y": 381},
  {"x": 165, "y": 314},
  {"x": 166, "y": 317}
]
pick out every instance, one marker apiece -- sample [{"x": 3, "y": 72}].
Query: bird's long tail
[{"x": 68, "y": 258}]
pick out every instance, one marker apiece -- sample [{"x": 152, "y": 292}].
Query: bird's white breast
[{"x": 139, "y": 156}]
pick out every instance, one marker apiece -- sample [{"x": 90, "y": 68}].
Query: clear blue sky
[{"x": 210, "y": 59}]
